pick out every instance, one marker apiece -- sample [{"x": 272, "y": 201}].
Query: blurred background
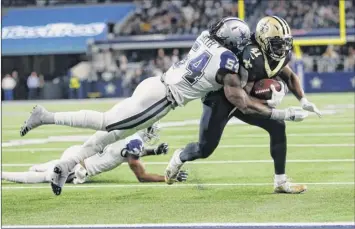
[{"x": 74, "y": 49}]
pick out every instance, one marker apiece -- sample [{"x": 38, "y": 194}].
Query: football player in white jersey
[
  {"x": 128, "y": 150},
  {"x": 209, "y": 66}
]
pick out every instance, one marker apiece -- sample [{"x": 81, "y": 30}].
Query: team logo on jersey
[{"x": 247, "y": 63}]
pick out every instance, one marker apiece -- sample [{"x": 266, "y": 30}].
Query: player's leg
[
  {"x": 148, "y": 104},
  {"x": 44, "y": 166},
  {"x": 29, "y": 177},
  {"x": 278, "y": 147},
  {"x": 148, "y": 93},
  {"x": 214, "y": 118}
]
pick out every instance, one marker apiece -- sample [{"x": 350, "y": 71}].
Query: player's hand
[
  {"x": 277, "y": 96},
  {"x": 308, "y": 106},
  {"x": 182, "y": 176},
  {"x": 295, "y": 114},
  {"x": 135, "y": 147},
  {"x": 163, "y": 148}
]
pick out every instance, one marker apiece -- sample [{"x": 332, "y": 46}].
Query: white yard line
[
  {"x": 292, "y": 126},
  {"x": 225, "y": 162},
  {"x": 82, "y": 138},
  {"x": 16, "y": 187},
  {"x": 194, "y": 225},
  {"x": 34, "y": 150}
]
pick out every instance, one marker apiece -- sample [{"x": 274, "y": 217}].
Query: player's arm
[
  {"x": 138, "y": 169},
  {"x": 293, "y": 83},
  {"x": 239, "y": 97},
  {"x": 163, "y": 148}
]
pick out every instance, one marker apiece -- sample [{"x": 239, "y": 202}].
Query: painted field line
[
  {"x": 266, "y": 135},
  {"x": 16, "y": 187},
  {"x": 320, "y": 126},
  {"x": 223, "y": 162},
  {"x": 34, "y": 150},
  {"x": 195, "y": 225},
  {"x": 82, "y": 138}
]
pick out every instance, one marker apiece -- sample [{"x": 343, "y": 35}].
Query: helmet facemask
[
  {"x": 150, "y": 135},
  {"x": 277, "y": 48}
]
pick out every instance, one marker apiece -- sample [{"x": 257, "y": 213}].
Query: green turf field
[{"x": 236, "y": 186}]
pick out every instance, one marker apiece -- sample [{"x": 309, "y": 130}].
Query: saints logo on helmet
[{"x": 274, "y": 37}]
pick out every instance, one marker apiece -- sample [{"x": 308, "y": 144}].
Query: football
[{"x": 261, "y": 88}]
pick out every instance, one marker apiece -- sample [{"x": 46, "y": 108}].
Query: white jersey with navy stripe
[
  {"x": 195, "y": 75},
  {"x": 112, "y": 156}
]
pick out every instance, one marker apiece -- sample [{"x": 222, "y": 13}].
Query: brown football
[{"x": 261, "y": 88}]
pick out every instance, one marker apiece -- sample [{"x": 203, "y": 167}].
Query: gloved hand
[
  {"x": 163, "y": 148},
  {"x": 277, "y": 96},
  {"x": 308, "y": 106},
  {"x": 135, "y": 147},
  {"x": 295, "y": 114},
  {"x": 182, "y": 176}
]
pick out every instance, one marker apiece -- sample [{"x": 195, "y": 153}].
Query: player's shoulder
[
  {"x": 253, "y": 54},
  {"x": 228, "y": 60}
]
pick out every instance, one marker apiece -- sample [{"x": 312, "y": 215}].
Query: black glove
[
  {"x": 163, "y": 148},
  {"x": 182, "y": 176}
]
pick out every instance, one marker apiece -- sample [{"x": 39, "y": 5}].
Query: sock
[
  {"x": 84, "y": 119},
  {"x": 279, "y": 177},
  {"x": 26, "y": 177}
]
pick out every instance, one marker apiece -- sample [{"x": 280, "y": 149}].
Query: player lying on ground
[
  {"x": 209, "y": 66},
  {"x": 128, "y": 150},
  {"x": 265, "y": 57}
]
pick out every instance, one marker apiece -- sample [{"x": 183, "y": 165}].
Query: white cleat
[
  {"x": 58, "y": 178},
  {"x": 36, "y": 119},
  {"x": 287, "y": 187},
  {"x": 172, "y": 171}
]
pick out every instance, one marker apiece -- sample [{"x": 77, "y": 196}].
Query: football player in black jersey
[{"x": 266, "y": 56}]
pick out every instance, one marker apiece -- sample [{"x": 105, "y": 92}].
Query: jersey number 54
[{"x": 196, "y": 66}]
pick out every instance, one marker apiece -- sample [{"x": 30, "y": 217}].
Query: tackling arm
[{"x": 239, "y": 98}]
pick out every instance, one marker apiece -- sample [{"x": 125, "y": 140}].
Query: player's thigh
[
  {"x": 148, "y": 104},
  {"x": 269, "y": 125},
  {"x": 216, "y": 109}
]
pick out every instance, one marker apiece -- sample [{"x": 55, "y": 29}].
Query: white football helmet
[
  {"x": 232, "y": 33},
  {"x": 150, "y": 135}
]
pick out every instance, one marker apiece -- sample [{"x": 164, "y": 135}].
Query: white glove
[
  {"x": 277, "y": 96},
  {"x": 295, "y": 114},
  {"x": 308, "y": 106}
]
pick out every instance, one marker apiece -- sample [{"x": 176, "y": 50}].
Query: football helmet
[
  {"x": 273, "y": 34},
  {"x": 150, "y": 135},
  {"x": 231, "y": 32}
]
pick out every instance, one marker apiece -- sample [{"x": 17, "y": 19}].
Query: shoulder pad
[
  {"x": 252, "y": 60},
  {"x": 229, "y": 61}
]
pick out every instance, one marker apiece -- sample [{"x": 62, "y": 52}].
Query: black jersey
[{"x": 254, "y": 65}]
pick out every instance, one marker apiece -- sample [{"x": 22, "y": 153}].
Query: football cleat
[
  {"x": 59, "y": 177},
  {"x": 172, "y": 171},
  {"x": 36, "y": 119},
  {"x": 287, "y": 187}
]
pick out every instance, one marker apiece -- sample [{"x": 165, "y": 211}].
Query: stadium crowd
[{"x": 191, "y": 17}]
